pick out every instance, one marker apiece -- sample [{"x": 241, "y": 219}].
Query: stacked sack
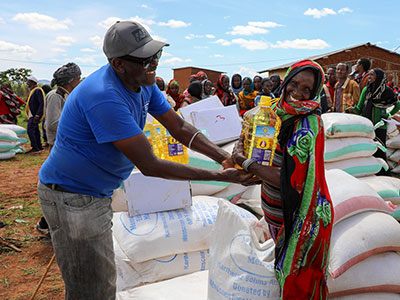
[
  {"x": 349, "y": 144},
  {"x": 11, "y": 137},
  {"x": 364, "y": 261},
  {"x": 393, "y": 145}
]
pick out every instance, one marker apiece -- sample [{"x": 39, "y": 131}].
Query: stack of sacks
[
  {"x": 349, "y": 145},
  {"x": 159, "y": 246},
  {"x": 388, "y": 188},
  {"x": 393, "y": 145},
  {"x": 10, "y": 140},
  {"x": 365, "y": 238}
]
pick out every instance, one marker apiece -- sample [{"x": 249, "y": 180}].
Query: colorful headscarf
[
  {"x": 254, "y": 79},
  {"x": 225, "y": 95},
  {"x": 237, "y": 90},
  {"x": 66, "y": 74},
  {"x": 200, "y": 76},
  {"x": 178, "y": 98},
  {"x": 160, "y": 80},
  {"x": 246, "y": 98},
  {"x": 302, "y": 246}
]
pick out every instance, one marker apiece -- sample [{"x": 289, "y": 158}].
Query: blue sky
[{"x": 232, "y": 36}]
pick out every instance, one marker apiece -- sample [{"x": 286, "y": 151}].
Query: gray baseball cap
[{"x": 130, "y": 38}]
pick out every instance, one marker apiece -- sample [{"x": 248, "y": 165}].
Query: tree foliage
[{"x": 15, "y": 76}]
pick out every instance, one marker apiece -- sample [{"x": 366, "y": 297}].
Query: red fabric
[
  {"x": 331, "y": 90},
  {"x": 3, "y": 107},
  {"x": 178, "y": 98}
]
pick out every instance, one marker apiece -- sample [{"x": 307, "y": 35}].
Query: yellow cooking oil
[
  {"x": 158, "y": 139},
  {"x": 261, "y": 135}
]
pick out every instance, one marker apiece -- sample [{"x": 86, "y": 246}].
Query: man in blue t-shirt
[{"x": 99, "y": 141}]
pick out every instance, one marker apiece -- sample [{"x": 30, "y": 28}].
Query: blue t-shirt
[{"x": 100, "y": 110}]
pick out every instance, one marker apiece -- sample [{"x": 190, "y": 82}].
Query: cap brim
[{"x": 148, "y": 49}]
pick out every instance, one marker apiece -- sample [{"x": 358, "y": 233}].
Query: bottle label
[
  {"x": 265, "y": 131},
  {"x": 263, "y": 142},
  {"x": 261, "y": 156},
  {"x": 175, "y": 148}
]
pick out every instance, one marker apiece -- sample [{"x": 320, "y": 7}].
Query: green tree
[{"x": 15, "y": 76}]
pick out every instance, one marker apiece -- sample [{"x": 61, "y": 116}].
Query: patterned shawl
[
  {"x": 302, "y": 246},
  {"x": 225, "y": 95},
  {"x": 178, "y": 98},
  {"x": 246, "y": 98}
]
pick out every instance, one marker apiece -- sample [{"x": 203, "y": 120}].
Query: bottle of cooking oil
[
  {"x": 158, "y": 139},
  {"x": 261, "y": 131}
]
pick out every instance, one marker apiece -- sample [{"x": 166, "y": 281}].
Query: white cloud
[
  {"x": 2, "y": 21},
  {"x": 166, "y": 54},
  {"x": 193, "y": 36},
  {"x": 250, "y": 44},
  {"x": 87, "y": 60},
  {"x": 301, "y": 44},
  {"x": 107, "y": 23},
  {"x": 39, "y": 22},
  {"x": 174, "y": 24},
  {"x": 64, "y": 40},
  {"x": 210, "y": 36},
  {"x": 267, "y": 24},
  {"x": 247, "y": 30},
  {"x": 174, "y": 61},
  {"x": 217, "y": 56},
  {"x": 87, "y": 50},
  {"x": 159, "y": 38},
  {"x": 226, "y": 17},
  {"x": 144, "y": 6},
  {"x": 97, "y": 41},
  {"x": 345, "y": 10},
  {"x": 58, "y": 50},
  {"x": 13, "y": 50},
  {"x": 222, "y": 42},
  {"x": 246, "y": 72},
  {"x": 317, "y": 14}
]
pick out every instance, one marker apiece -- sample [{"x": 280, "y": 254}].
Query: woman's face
[
  {"x": 208, "y": 87},
  {"x": 174, "y": 88},
  {"x": 267, "y": 87},
  {"x": 246, "y": 85},
  {"x": 300, "y": 87},
  {"x": 236, "y": 82},
  {"x": 257, "y": 83},
  {"x": 371, "y": 76},
  {"x": 275, "y": 82},
  {"x": 225, "y": 82}
]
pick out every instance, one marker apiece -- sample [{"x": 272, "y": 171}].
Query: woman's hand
[
  {"x": 238, "y": 152},
  {"x": 238, "y": 176}
]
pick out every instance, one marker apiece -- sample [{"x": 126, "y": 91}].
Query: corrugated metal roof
[{"x": 315, "y": 57}]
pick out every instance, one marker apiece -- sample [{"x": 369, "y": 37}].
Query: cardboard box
[
  {"x": 146, "y": 194},
  {"x": 219, "y": 125}
]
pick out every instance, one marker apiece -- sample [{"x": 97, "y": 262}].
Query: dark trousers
[
  {"x": 44, "y": 131},
  {"x": 34, "y": 134}
]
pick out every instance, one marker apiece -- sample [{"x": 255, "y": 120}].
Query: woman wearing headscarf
[
  {"x": 375, "y": 98},
  {"x": 266, "y": 85},
  {"x": 195, "y": 90},
  {"x": 192, "y": 78},
  {"x": 257, "y": 83},
  {"x": 224, "y": 93},
  {"x": 10, "y": 105},
  {"x": 207, "y": 88},
  {"x": 295, "y": 197},
  {"x": 276, "y": 85},
  {"x": 236, "y": 84},
  {"x": 200, "y": 76},
  {"x": 173, "y": 93},
  {"x": 247, "y": 96},
  {"x": 160, "y": 83}
]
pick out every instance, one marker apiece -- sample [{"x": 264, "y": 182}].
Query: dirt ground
[{"x": 20, "y": 272}]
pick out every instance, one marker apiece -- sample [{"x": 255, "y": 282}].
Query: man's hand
[
  {"x": 228, "y": 162},
  {"x": 238, "y": 152},
  {"x": 238, "y": 176},
  {"x": 36, "y": 119}
]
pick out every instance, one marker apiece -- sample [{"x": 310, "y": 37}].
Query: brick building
[
  {"x": 182, "y": 75},
  {"x": 387, "y": 60}
]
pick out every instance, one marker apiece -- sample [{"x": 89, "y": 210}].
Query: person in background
[
  {"x": 10, "y": 105},
  {"x": 362, "y": 67},
  {"x": 224, "y": 93},
  {"x": 294, "y": 193},
  {"x": 173, "y": 95},
  {"x": 347, "y": 91},
  {"x": 276, "y": 85},
  {"x": 46, "y": 88},
  {"x": 160, "y": 83},
  {"x": 257, "y": 83},
  {"x": 329, "y": 86},
  {"x": 266, "y": 85},
  {"x": 195, "y": 90},
  {"x": 192, "y": 78},
  {"x": 207, "y": 88},
  {"x": 236, "y": 84},
  {"x": 375, "y": 98},
  {"x": 66, "y": 78},
  {"x": 99, "y": 141},
  {"x": 247, "y": 96},
  {"x": 200, "y": 76},
  {"x": 34, "y": 113}
]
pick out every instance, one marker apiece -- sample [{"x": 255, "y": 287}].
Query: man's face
[
  {"x": 75, "y": 82},
  {"x": 136, "y": 72},
  {"x": 341, "y": 71},
  {"x": 331, "y": 73},
  {"x": 359, "y": 67},
  {"x": 31, "y": 84}
]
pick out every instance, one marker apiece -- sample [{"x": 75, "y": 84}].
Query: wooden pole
[{"x": 44, "y": 275}]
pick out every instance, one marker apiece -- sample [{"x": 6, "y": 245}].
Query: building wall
[{"x": 182, "y": 76}]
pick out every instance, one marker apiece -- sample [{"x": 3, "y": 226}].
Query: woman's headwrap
[
  {"x": 178, "y": 98},
  {"x": 251, "y": 86},
  {"x": 160, "y": 80},
  {"x": 203, "y": 87},
  {"x": 200, "y": 76},
  {"x": 66, "y": 74},
  {"x": 195, "y": 89},
  {"x": 237, "y": 90}
]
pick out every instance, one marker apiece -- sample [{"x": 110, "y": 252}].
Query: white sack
[
  {"x": 338, "y": 125},
  {"x": 387, "y": 187},
  {"x": 358, "y": 167},
  {"x": 345, "y": 148}
]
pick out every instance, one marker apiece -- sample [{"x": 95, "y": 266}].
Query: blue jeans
[{"x": 80, "y": 229}]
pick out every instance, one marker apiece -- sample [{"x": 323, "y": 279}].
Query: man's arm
[
  {"x": 138, "y": 150},
  {"x": 183, "y": 132}
]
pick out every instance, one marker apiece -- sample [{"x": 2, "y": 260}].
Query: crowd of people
[{"x": 104, "y": 117}]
